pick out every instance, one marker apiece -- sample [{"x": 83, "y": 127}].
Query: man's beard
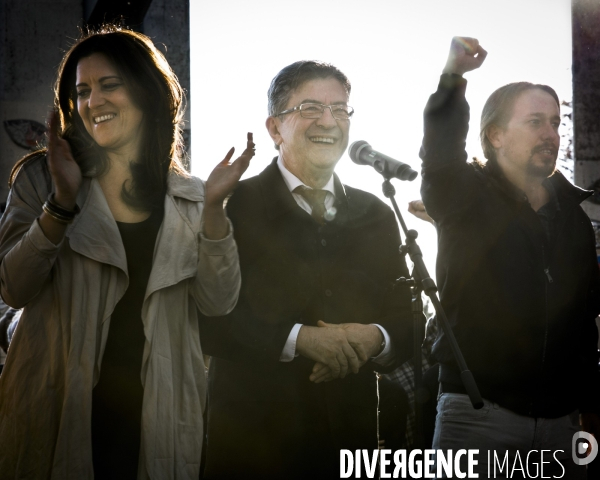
[
  {"x": 546, "y": 169},
  {"x": 541, "y": 171}
]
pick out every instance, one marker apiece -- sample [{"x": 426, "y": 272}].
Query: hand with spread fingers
[
  {"x": 225, "y": 176},
  {"x": 465, "y": 55},
  {"x": 221, "y": 183}
]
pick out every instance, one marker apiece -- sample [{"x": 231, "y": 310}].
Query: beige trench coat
[{"x": 69, "y": 292}]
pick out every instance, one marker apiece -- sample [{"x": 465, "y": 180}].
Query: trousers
[{"x": 510, "y": 445}]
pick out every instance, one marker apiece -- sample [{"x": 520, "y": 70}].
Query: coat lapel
[
  {"x": 94, "y": 232},
  {"x": 177, "y": 244},
  {"x": 276, "y": 195},
  {"x": 280, "y": 201}
]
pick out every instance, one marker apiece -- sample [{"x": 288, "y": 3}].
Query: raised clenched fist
[{"x": 465, "y": 55}]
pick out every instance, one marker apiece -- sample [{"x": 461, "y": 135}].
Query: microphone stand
[{"x": 424, "y": 283}]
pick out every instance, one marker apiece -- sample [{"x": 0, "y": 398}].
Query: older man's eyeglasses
[{"x": 315, "y": 110}]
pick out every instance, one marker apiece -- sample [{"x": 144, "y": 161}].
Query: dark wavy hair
[
  {"x": 498, "y": 110},
  {"x": 154, "y": 89},
  {"x": 293, "y": 76}
]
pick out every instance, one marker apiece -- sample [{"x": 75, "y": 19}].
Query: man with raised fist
[{"x": 517, "y": 274}]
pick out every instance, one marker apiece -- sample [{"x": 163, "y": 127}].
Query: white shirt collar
[{"x": 293, "y": 182}]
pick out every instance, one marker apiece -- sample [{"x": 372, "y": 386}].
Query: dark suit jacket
[{"x": 265, "y": 418}]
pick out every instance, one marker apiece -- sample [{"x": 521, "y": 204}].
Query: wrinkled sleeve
[
  {"x": 245, "y": 334},
  {"x": 590, "y": 358},
  {"x": 396, "y": 313},
  {"x": 260, "y": 324},
  {"x": 26, "y": 255},
  {"x": 448, "y": 183},
  {"x": 218, "y": 281}
]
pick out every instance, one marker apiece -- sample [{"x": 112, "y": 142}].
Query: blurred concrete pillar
[
  {"x": 586, "y": 99},
  {"x": 586, "y": 116},
  {"x": 167, "y": 23},
  {"x": 34, "y": 38},
  {"x": 130, "y": 12}
]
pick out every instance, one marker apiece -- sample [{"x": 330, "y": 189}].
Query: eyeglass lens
[{"x": 315, "y": 110}]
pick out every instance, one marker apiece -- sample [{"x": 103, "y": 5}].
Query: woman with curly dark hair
[{"x": 112, "y": 247}]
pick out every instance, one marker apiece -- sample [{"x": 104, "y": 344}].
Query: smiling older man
[{"x": 292, "y": 377}]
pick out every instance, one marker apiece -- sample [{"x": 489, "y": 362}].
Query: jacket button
[
  {"x": 323, "y": 242},
  {"x": 328, "y": 293}
]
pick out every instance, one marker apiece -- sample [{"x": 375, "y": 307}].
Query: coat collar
[
  {"x": 565, "y": 190},
  {"x": 189, "y": 188},
  {"x": 95, "y": 233},
  {"x": 279, "y": 199},
  {"x": 567, "y": 193}
]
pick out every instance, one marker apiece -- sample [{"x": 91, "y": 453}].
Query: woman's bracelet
[{"x": 58, "y": 213}]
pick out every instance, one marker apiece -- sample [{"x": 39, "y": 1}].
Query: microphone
[{"x": 361, "y": 153}]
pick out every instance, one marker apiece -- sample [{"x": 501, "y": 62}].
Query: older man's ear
[{"x": 273, "y": 129}]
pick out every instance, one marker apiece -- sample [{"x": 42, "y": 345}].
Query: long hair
[
  {"x": 154, "y": 89},
  {"x": 498, "y": 110}
]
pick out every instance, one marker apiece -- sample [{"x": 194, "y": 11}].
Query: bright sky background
[{"x": 391, "y": 50}]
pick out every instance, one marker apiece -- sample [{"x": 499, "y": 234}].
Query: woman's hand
[
  {"x": 66, "y": 177},
  {"x": 220, "y": 183},
  {"x": 64, "y": 170},
  {"x": 225, "y": 176}
]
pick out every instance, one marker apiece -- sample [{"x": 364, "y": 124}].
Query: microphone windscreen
[{"x": 355, "y": 149}]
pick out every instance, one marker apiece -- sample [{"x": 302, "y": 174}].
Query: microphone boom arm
[{"x": 429, "y": 287}]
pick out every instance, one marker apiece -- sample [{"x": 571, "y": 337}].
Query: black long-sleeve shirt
[{"x": 522, "y": 307}]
